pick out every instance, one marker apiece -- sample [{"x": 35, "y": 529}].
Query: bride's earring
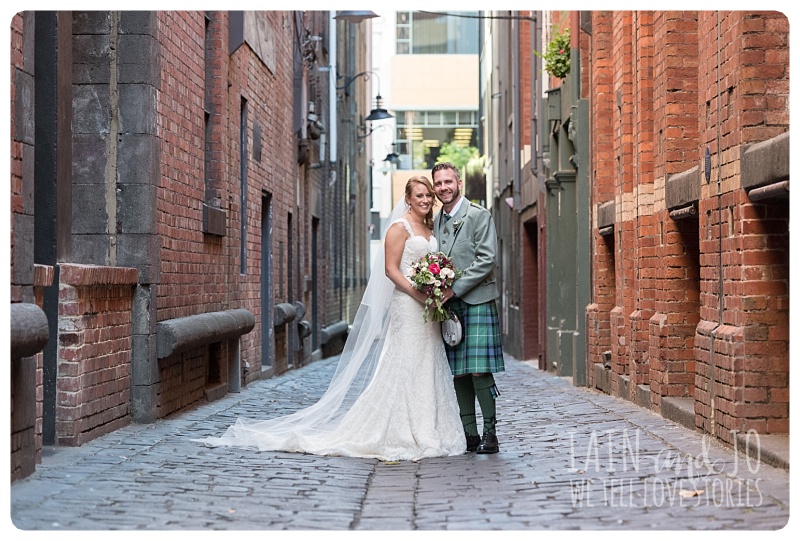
[{"x": 408, "y": 207}]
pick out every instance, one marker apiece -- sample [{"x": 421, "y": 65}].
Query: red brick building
[
  {"x": 175, "y": 209},
  {"x": 668, "y": 145},
  {"x": 690, "y": 117}
]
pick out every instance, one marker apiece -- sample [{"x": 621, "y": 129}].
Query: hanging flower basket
[{"x": 556, "y": 57}]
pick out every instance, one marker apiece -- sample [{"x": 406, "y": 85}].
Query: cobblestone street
[{"x": 570, "y": 459}]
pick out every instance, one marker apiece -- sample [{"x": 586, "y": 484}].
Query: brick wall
[
  {"x": 604, "y": 173},
  {"x": 141, "y": 165},
  {"x": 21, "y": 162},
  {"x": 17, "y": 144},
  {"x": 94, "y": 365},
  {"x": 677, "y": 277},
  {"x": 530, "y": 331},
  {"x": 672, "y": 327},
  {"x": 524, "y": 60},
  {"x": 202, "y": 272},
  {"x": 345, "y": 236},
  {"x": 183, "y": 380},
  {"x": 24, "y": 374},
  {"x": 700, "y": 300},
  {"x": 145, "y": 202},
  {"x": 643, "y": 221},
  {"x": 745, "y": 384},
  {"x": 269, "y": 96}
]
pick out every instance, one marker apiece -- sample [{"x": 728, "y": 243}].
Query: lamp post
[{"x": 363, "y": 128}]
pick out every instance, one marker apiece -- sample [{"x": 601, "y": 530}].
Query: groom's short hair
[{"x": 445, "y": 165}]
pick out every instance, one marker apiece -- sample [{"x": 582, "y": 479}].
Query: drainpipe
[
  {"x": 720, "y": 299},
  {"x": 536, "y": 99},
  {"x": 333, "y": 122},
  {"x": 575, "y": 45},
  {"x": 515, "y": 104}
]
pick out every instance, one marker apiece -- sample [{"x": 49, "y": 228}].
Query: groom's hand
[{"x": 447, "y": 294}]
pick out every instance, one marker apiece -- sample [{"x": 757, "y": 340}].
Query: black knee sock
[
  {"x": 465, "y": 395},
  {"x": 486, "y": 392}
]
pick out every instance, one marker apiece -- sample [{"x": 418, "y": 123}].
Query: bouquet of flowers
[{"x": 432, "y": 273}]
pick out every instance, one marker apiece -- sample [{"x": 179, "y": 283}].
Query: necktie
[{"x": 446, "y": 217}]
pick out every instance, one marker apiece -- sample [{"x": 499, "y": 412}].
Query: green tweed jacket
[{"x": 470, "y": 240}]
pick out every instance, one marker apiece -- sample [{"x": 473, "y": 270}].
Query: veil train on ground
[{"x": 354, "y": 371}]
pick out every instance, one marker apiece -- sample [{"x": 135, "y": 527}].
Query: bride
[{"x": 392, "y": 395}]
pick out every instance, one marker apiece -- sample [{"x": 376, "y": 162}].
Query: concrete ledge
[
  {"x": 185, "y": 333},
  {"x": 683, "y": 189},
  {"x": 766, "y": 162},
  {"x": 679, "y": 409},
  {"x": 29, "y": 330},
  {"x": 333, "y": 338},
  {"x": 768, "y": 191},
  {"x": 772, "y": 448},
  {"x": 333, "y": 331},
  {"x": 643, "y": 396},
  {"x": 284, "y": 313},
  {"x": 216, "y": 391},
  {"x": 213, "y": 221},
  {"x": 602, "y": 378},
  {"x": 92, "y": 275},
  {"x": 624, "y": 387},
  {"x": 606, "y": 214}
]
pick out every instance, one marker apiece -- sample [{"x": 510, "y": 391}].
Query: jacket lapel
[
  {"x": 458, "y": 218},
  {"x": 440, "y": 226}
]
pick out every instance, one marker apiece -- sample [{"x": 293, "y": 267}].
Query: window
[
  {"x": 430, "y": 33},
  {"x": 420, "y": 135}
]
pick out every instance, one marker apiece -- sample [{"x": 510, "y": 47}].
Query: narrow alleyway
[{"x": 570, "y": 459}]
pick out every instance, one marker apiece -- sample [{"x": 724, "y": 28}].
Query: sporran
[{"x": 451, "y": 330}]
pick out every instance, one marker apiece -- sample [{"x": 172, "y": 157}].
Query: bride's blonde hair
[{"x": 422, "y": 179}]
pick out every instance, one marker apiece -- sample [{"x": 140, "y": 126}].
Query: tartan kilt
[{"x": 480, "y": 350}]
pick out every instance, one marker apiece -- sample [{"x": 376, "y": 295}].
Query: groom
[{"x": 467, "y": 234}]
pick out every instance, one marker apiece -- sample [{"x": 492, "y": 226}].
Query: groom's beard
[{"x": 453, "y": 198}]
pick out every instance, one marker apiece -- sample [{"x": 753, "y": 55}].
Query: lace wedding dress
[{"x": 407, "y": 409}]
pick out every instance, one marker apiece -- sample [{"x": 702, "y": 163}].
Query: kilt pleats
[{"x": 480, "y": 350}]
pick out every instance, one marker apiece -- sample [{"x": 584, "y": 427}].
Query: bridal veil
[{"x": 355, "y": 370}]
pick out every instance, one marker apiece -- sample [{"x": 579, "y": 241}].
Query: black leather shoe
[
  {"x": 488, "y": 445},
  {"x": 473, "y": 442}
]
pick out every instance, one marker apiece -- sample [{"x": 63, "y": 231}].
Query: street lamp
[
  {"x": 393, "y": 157},
  {"x": 378, "y": 113},
  {"x": 355, "y": 16}
]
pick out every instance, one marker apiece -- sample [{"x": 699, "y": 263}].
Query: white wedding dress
[{"x": 407, "y": 409}]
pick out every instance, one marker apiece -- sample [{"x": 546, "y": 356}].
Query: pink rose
[{"x": 434, "y": 268}]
